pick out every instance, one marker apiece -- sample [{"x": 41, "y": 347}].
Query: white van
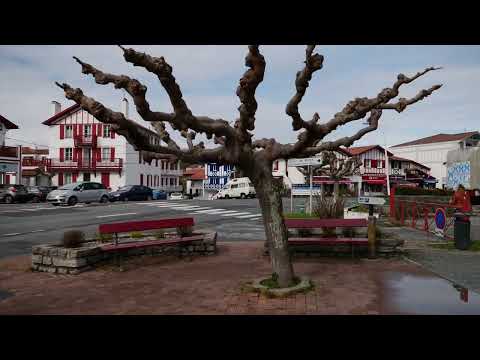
[{"x": 236, "y": 188}]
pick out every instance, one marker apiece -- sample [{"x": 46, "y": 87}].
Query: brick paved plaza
[{"x": 205, "y": 285}]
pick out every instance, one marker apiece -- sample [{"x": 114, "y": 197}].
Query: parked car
[
  {"x": 176, "y": 196},
  {"x": 159, "y": 195},
  {"x": 80, "y": 192},
  {"x": 38, "y": 193},
  {"x": 236, "y": 188},
  {"x": 132, "y": 192},
  {"x": 14, "y": 193}
]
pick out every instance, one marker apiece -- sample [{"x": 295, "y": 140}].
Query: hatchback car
[
  {"x": 14, "y": 193},
  {"x": 82, "y": 192},
  {"x": 38, "y": 193},
  {"x": 176, "y": 196},
  {"x": 132, "y": 192}
]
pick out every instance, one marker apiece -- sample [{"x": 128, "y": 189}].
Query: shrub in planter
[
  {"x": 328, "y": 208},
  {"x": 73, "y": 238},
  {"x": 183, "y": 231},
  {"x": 136, "y": 235},
  {"x": 103, "y": 238}
]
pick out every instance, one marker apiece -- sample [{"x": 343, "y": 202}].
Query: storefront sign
[
  {"x": 371, "y": 200},
  {"x": 305, "y": 161},
  {"x": 8, "y": 167}
]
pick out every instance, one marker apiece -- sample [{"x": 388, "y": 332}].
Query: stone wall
[{"x": 56, "y": 259}]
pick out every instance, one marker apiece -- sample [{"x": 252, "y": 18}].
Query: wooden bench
[
  {"x": 118, "y": 228},
  {"x": 327, "y": 223}
]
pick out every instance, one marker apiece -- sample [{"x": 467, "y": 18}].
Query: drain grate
[{"x": 5, "y": 294}]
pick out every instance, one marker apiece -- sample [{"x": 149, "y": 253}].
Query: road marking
[
  {"x": 187, "y": 208},
  {"x": 35, "y": 231},
  {"x": 249, "y": 216},
  {"x": 208, "y": 211},
  {"x": 12, "y": 234},
  {"x": 112, "y": 215},
  {"x": 242, "y": 213}
]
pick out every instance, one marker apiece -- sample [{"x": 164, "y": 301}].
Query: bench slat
[
  {"x": 327, "y": 241},
  {"x": 140, "y": 244},
  {"x": 144, "y": 225},
  {"x": 319, "y": 223}
]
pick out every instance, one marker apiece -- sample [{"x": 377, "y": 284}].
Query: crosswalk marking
[
  {"x": 249, "y": 216},
  {"x": 241, "y": 213},
  {"x": 209, "y": 211}
]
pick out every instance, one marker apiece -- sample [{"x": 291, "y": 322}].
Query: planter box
[{"x": 56, "y": 259}]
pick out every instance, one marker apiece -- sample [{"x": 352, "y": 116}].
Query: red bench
[
  {"x": 327, "y": 223},
  {"x": 118, "y": 228}
]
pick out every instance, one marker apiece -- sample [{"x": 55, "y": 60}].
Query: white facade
[
  {"x": 290, "y": 174},
  {"x": 83, "y": 149},
  {"x": 433, "y": 155}
]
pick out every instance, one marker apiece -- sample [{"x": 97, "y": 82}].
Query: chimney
[
  {"x": 125, "y": 107},
  {"x": 56, "y": 107}
]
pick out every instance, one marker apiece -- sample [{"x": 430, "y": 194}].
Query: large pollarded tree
[{"x": 235, "y": 145}]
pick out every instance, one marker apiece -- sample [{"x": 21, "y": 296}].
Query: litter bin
[{"x": 461, "y": 231}]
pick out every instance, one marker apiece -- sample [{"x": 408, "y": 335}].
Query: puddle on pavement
[{"x": 427, "y": 295}]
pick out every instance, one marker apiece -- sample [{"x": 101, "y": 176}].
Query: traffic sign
[
  {"x": 305, "y": 161},
  {"x": 371, "y": 200}
]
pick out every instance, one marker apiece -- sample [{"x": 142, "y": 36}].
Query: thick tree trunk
[
  {"x": 336, "y": 191},
  {"x": 276, "y": 234}
]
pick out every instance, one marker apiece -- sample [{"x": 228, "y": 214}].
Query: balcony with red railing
[
  {"x": 34, "y": 162},
  {"x": 85, "y": 165},
  {"x": 82, "y": 140},
  {"x": 9, "y": 152}
]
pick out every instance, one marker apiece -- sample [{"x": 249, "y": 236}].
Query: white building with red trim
[
  {"x": 34, "y": 167},
  {"x": 10, "y": 163},
  {"x": 81, "y": 148}
]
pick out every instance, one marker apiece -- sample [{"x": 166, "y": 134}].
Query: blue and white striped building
[{"x": 217, "y": 175}]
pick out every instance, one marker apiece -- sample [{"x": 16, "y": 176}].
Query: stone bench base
[{"x": 56, "y": 259}]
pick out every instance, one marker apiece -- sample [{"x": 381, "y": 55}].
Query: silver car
[{"x": 84, "y": 192}]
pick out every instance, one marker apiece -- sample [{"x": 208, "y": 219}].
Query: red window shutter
[
  {"x": 62, "y": 131},
  {"x": 275, "y": 165},
  {"x": 79, "y": 155},
  {"x": 100, "y": 130},
  {"x": 60, "y": 179},
  {"x": 62, "y": 154},
  {"x": 374, "y": 163},
  {"x": 99, "y": 154},
  {"x": 74, "y": 177},
  {"x": 112, "y": 133},
  {"x": 7, "y": 179},
  {"x": 112, "y": 154},
  {"x": 79, "y": 130},
  {"x": 94, "y": 129},
  {"x": 74, "y": 126},
  {"x": 383, "y": 164},
  {"x": 75, "y": 154}
]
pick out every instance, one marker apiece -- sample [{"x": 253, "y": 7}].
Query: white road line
[
  {"x": 35, "y": 231},
  {"x": 257, "y": 218},
  {"x": 207, "y": 211},
  {"x": 242, "y": 213},
  {"x": 187, "y": 208},
  {"x": 12, "y": 234},
  {"x": 249, "y": 216},
  {"x": 112, "y": 215},
  {"x": 215, "y": 212}
]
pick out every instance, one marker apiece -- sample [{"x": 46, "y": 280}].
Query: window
[
  {"x": 68, "y": 154},
  {"x": 106, "y": 131},
  {"x": 105, "y": 154},
  {"x": 87, "y": 130},
  {"x": 67, "y": 178},
  {"x": 234, "y": 186},
  {"x": 172, "y": 181},
  {"x": 68, "y": 131},
  {"x": 172, "y": 166}
]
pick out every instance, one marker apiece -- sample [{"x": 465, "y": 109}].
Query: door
[
  {"x": 87, "y": 158},
  {"x": 106, "y": 180},
  {"x": 86, "y": 176}
]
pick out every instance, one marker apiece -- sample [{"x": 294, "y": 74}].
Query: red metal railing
[
  {"x": 33, "y": 162},
  {"x": 9, "y": 151},
  {"x": 82, "y": 140},
  {"x": 85, "y": 165}
]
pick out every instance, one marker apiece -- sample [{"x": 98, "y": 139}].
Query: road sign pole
[{"x": 311, "y": 187}]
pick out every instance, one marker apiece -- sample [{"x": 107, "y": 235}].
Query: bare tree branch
[
  {"x": 246, "y": 89},
  {"x": 312, "y": 64},
  {"x": 139, "y": 137},
  {"x": 183, "y": 119}
]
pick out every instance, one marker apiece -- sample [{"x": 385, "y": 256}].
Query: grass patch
[
  {"x": 300, "y": 215},
  {"x": 272, "y": 282}
]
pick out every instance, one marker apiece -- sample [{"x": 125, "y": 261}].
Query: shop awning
[{"x": 375, "y": 182}]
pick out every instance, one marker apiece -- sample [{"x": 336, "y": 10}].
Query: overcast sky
[{"x": 208, "y": 76}]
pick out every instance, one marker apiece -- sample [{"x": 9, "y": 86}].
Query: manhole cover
[{"x": 4, "y": 294}]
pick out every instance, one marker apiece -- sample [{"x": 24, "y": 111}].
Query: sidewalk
[{"x": 206, "y": 285}]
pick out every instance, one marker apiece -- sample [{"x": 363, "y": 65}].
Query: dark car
[
  {"x": 38, "y": 193},
  {"x": 14, "y": 193},
  {"x": 132, "y": 192}
]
